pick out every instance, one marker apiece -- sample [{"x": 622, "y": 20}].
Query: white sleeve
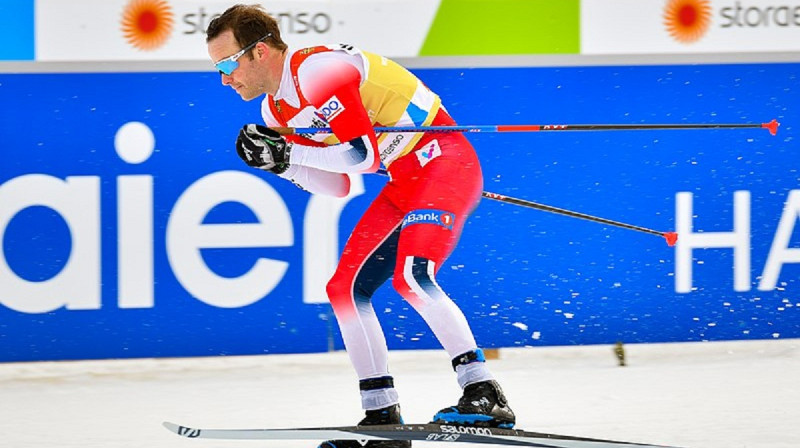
[
  {"x": 317, "y": 181},
  {"x": 313, "y": 180},
  {"x": 355, "y": 156}
]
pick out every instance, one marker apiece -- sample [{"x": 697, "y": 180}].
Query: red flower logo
[
  {"x": 687, "y": 20},
  {"x": 147, "y": 24}
]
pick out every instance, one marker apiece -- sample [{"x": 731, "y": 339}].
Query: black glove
[{"x": 263, "y": 148}]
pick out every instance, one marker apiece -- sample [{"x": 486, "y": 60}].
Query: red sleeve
[{"x": 332, "y": 86}]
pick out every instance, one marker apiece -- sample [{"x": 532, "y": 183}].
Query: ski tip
[{"x": 170, "y": 426}]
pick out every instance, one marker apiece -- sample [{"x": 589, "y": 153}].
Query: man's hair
[{"x": 248, "y": 23}]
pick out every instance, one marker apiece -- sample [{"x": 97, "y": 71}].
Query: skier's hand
[{"x": 263, "y": 148}]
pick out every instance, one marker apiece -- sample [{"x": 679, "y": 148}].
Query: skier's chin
[
  {"x": 245, "y": 93},
  {"x": 247, "y": 96}
]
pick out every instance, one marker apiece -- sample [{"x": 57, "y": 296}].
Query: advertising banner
[
  {"x": 689, "y": 26},
  {"x": 130, "y": 228},
  {"x": 174, "y": 30}
]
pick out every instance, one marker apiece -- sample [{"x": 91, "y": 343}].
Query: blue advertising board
[{"x": 130, "y": 228}]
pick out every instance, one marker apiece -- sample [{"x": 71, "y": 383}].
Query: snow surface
[{"x": 700, "y": 395}]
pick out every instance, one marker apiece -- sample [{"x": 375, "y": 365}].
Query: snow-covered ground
[{"x": 699, "y": 395}]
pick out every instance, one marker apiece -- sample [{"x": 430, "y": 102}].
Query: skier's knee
[
  {"x": 338, "y": 290},
  {"x": 414, "y": 276}
]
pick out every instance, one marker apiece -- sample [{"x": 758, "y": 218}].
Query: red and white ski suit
[{"x": 416, "y": 220}]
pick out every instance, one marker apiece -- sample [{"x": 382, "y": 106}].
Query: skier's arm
[
  {"x": 261, "y": 147},
  {"x": 331, "y": 85},
  {"x": 318, "y": 181}
]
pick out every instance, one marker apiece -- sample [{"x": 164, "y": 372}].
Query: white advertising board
[
  {"x": 109, "y": 30},
  {"x": 689, "y": 26}
]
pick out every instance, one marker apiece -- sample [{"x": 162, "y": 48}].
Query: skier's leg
[
  {"x": 367, "y": 261},
  {"x": 436, "y": 211}
]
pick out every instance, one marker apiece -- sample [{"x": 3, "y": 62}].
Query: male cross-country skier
[{"x": 411, "y": 227}]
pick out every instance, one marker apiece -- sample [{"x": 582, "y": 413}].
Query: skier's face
[{"x": 244, "y": 71}]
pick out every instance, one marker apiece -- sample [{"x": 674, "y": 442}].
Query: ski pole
[
  {"x": 772, "y": 127},
  {"x": 670, "y": 237}
]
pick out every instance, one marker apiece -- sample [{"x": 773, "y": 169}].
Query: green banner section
[{"x": 487, "y": 27}]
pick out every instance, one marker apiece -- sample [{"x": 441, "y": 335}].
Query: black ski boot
[
  {"x": 386, "y": 416},
  {"x": 483, "y": 404}
]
